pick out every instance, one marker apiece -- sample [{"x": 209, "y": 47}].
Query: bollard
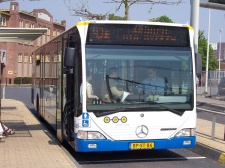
[{"x": 213, "y": 126}]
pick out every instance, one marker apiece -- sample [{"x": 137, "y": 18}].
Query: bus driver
[{"x": 152, "y": 84}]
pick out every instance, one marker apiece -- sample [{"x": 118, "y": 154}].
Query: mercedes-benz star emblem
[{"x": 142, "y": 131}]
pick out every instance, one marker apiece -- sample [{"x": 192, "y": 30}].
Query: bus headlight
[
  {"x": 90, "y": 135},
  {"x": 186, "y": 132}
]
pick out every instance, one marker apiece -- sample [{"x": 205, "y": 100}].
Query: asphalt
[{"x": 33, "y": 145}]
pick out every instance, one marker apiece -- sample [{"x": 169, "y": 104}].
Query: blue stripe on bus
[{"x": 109, "y": 145}]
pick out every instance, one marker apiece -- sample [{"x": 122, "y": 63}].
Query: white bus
[{"x": 147, "y": 112}]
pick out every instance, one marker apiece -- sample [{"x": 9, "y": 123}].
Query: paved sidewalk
[
  {"x": 214, "y": 149},
  {"x": 32, "y": 145}
]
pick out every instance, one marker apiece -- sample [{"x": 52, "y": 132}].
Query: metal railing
[
  {"x": 214, "y": 78},
  {"x": 214, "y": 113}
]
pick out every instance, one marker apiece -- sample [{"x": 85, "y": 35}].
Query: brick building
[
  {"x": 16, "y": 58},
  {"x": 221, "y": 54}
]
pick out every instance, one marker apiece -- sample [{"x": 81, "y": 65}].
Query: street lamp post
[
  {"x": 219, "y": 55},
  {"x": 207, "y": 57}
]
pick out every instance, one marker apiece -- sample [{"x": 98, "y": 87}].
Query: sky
[{"x": 178, "y": 13}]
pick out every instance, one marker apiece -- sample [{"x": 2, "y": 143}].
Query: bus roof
[{"x": 82, "y": 23}]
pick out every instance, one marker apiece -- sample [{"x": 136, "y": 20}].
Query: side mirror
[
  {"x": 198, "y": 63},
  {"x": 69, "y": 57}
]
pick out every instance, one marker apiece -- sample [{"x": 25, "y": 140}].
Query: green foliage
[
  {"x": 22, "y": 80},
  {"x": 27, "y": 80},
  {"x": 161, "y": 19},
  {"x": 17, "y": 80},
  {"x": 202, "y": 49},
  {"x": 113, "y": 17}
]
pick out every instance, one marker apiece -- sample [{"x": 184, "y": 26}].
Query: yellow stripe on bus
[
  {"x": 82, "y": 23},
  {"x": 190, "y": 28}
]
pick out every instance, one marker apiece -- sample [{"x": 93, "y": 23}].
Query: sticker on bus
[{"x": 85, "y": 123}]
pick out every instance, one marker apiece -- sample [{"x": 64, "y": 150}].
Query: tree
[
  {"x": 128, "y": 3},
  {"x": 161, "y": 19},
  {"x": 202, "y": 49},
  {"x": 81, "y": 7},
  {"x": 113, "y": 17}
]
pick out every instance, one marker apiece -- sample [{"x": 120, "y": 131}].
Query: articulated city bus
[{"x": 150, "y": 65}]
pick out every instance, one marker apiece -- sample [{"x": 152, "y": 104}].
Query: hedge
[{"x": 22, "y": 80}]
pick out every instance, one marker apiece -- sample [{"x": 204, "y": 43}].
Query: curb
[
  {"x": 209, "y": 152},
  {"x": 205, "y": 104},
  {"x": 212, "y": 106}
]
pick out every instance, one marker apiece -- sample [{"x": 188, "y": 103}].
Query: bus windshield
[{"x": 140, "y": 77}]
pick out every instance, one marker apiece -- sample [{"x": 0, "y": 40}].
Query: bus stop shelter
[{"x": 18, "y": 35}]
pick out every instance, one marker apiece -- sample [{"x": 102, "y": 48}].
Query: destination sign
[{"x": 133, "y": 34}]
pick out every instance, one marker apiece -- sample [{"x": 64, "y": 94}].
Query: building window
[
  {"x": 31, "y": 25},
  {"x": 47, "y": 58},
  {"x": 25, "y": 58},
  {"x": 38, "y": 57},
  {"x": 20, "y": 57},
  {"x": 54, "y": 33},
  {"x": 30, "y": 59},
  {"x": 3, "y": 21},
  {"x": 48, "y": 31},
  {"x": 20, "y": 23},
  {"x": 57, "y": 58},
  {"x": 3, "y": 56},
  {"x": 27, "y": 25}
]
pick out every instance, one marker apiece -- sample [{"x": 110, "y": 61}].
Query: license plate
[{"x": 145, "y": 145}]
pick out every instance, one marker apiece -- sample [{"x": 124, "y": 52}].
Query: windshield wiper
[
  {"x": 122, "y": 109},
  {"x": 99, "y": 114},
  {"x": 167, "y": 108},
  {"x": 180, "y": 113}
]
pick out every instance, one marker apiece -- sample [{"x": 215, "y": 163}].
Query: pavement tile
[
  {"x": 30, "y": 151},
  {"x": 206, "y": 145}
]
